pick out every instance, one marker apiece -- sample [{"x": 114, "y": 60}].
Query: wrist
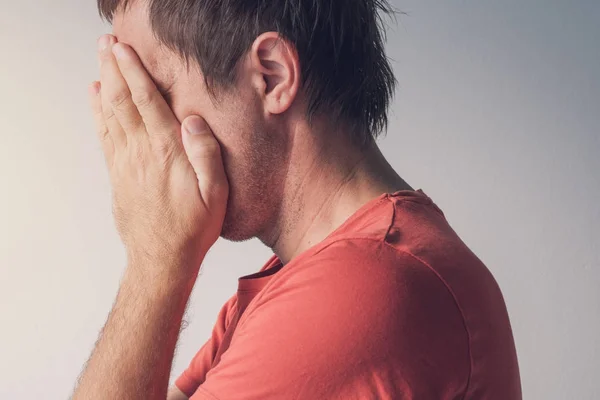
[{"x": 164, "y": 268}]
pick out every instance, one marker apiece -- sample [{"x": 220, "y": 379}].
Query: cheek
[
  {"x": 223, "y": 118},
  {"x": 233, "y": 130},
  {"x": 186, "y": 104},
  {"x": 235, "y": 121}
]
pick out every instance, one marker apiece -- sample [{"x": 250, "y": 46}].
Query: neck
[{"x": 322, "y": 192}]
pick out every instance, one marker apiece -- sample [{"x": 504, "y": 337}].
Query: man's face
[{"x": 251, "y": 151}]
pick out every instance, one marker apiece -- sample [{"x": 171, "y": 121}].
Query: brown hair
[{"x": 345, "y": 72}]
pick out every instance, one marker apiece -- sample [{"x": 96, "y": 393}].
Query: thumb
[{"x": 204, "y": 154}]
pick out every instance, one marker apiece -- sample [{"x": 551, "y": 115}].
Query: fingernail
[
  {"x": 103, "y": 42},
  {"x": 196, "y": 126},
  {"x": 95, "y": 88}
]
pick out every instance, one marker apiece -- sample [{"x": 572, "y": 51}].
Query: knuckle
[
  {"x": 103, "y": 133},
  {"x": 137, "y": 152},
  {"x": 119, "y": 99},
  {"x": 143, "y": 98},
  {"x": 208, "y": 149},
  {"x": 108, "y": 113},
  {"x": 164, "y": 150}
]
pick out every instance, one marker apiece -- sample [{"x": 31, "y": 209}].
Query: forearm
[
  {"x": 133, "y": 356},
  {"x": 169, "y": 201}
]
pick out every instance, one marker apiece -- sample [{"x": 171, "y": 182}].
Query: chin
[
  {"x": 235, "y": 235},
  {"x": 235, "y": 228}
]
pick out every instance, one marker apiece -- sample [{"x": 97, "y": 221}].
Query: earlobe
[{"x": 277, "y": 63}]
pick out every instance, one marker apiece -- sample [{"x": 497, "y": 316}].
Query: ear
[{"x": 276, "y": 71}]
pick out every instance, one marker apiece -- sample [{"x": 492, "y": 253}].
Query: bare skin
[
  {"x": 169, "y": 196},
  {"x": 175, "y": 193},
  {"x": 280, "y": 168}
]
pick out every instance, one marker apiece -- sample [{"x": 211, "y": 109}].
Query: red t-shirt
[{"x": 391, "y": 305}]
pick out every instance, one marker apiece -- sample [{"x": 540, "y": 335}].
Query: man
[{"x": 243, "y": 119}]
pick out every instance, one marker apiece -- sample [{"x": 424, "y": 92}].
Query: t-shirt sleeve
[
  {"x": 356, "y": 321},
  {"x": 195, "y": 373}
]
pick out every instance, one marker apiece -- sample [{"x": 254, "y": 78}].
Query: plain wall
[{"x": 496, "y": 117}]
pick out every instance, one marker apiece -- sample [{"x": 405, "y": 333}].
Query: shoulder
[
  {"x": 363, "y": 284},
  {"x": 358, "y": 302}
]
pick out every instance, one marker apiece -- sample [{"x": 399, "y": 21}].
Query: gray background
[{"x": 496, "y": 118}]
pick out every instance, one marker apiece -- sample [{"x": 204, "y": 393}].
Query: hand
[{"x": 169, "y": 185}]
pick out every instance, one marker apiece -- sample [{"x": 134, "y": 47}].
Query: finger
[
  {"x": 118, "y": 96},
  {"x": 101, "y": 128},
  {"x": 115, "y": 130},
  {"x": 154, "y": 110},
  {"x": 204, "y": 153}
]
